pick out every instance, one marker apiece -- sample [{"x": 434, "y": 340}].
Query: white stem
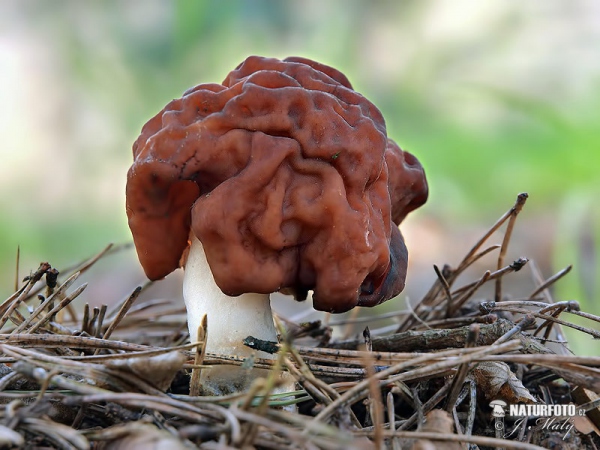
[{"x": 230, "y": 320}]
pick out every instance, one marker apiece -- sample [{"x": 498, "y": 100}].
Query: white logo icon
[{"x": 498, "y": 408}]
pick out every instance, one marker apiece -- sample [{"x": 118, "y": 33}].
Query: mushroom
[{"x": 281, "y": 178}]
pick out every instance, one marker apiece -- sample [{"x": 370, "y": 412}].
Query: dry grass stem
[
  {"x": 513, "y": 213},
  {"x": 201, "y": 338}
]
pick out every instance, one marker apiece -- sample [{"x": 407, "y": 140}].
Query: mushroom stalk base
[{"x": 229, "y": 321}]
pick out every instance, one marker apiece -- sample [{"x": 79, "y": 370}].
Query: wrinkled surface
[
  {"x": 407, "y": 183},
  {"x": 282, "y": 173}
]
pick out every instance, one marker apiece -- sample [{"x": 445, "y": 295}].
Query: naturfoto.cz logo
[
  {"x": 544, "y": 417},
  {"x": 542, "y": 410}
]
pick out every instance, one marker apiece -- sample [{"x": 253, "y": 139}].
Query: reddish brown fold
[{"x": 288, "y": 179}]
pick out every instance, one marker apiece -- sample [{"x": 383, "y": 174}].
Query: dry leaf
[
  {"x": 159, "y": 370},
  {"x": 583, "y": 396},
  {"x": 496, "y": 381},
  {"x": 147, "y": 438},
  {"x": 437, "y": 421},
  {"x": 584, "y": 425}
]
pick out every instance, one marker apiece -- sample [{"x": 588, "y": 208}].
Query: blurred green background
[{"x": 494, "y": 97}]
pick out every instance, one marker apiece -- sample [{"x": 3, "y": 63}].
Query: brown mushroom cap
[{"x": 282, "y": 173}]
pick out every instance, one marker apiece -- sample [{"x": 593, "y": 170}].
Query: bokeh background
[{"x": 495, "y": 98}]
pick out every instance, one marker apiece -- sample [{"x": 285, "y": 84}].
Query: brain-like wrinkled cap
[{"x": 286, "y": 176}]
